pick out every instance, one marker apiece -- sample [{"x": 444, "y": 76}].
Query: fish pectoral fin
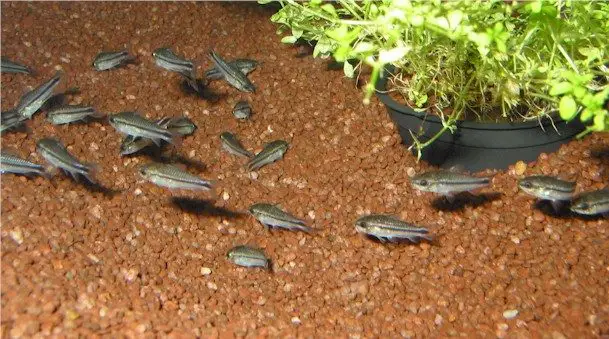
[{"x": 556, "y": 205}]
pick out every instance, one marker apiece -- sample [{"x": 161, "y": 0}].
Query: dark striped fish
[
  {"x": 108, "y": 60},
  {"x": 272, "y": 216},
  {"x": 248, "y": 257},
  {"x": 591, "y": 203},
  {"x": 173, "y": 177},
  {"x": 165, "y": 58},
  {"x": 447, "y": 182},
  {"x": 32, "y": 101},
  {"x": 131, "y": 144},
  {"x": 232, "y": 74},
  {"x": 10, "y": 163},
  {"x": 231, "y": 144},
  {"x": 8, "y": 66},
  {"x": 272, "y": 152},
  {"x": 389, "y": 228},
  {"x": 131, "y": 123},
  {"x": 53, "y": 151},
  {"x": 10, "y": 119},
  {"x": 244, "y": 65},
  {"x": 71, "y": 113},
  {"x": 242, "y": 110},
  {"x": 181, "y": 125},
  {"x": 547, "y": 188}
]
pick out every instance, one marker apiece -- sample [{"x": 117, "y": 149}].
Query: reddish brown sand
[{"x": 76, "y": 261}]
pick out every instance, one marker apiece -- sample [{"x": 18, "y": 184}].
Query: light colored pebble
[
  {"x": 510, "y": 314},
  {"x": 438, "y": 320},
  {"x": 520, "y": 168},
  {"x": 137, "y": 191},
  {"x": 411, "y": 172},
  {"x": 130, "y": 97},
  {"x": 205, "y": 271},
  {"x": 225, "y": 196},
  {"x": 295, "y": 320},
  {"x": 17, "y": 236},
  {"x": 212, "y": 286}
]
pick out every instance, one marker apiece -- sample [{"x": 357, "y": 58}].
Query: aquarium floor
[{"x": 149, "y": 261}]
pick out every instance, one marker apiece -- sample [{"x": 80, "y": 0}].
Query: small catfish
[
  {"x": 173, "y": 177},
  {"x": 447, "y": 183},
  {"x": 271, "y": 152},
  {"x": 248, "y": 257},
  {"x": 232, "y": 74},
  {"x": 131, "y": 144},
  {"x": 108, "y": 60},
  {"x": 53, "y": 151},
  {"x": 71, "y": 113},
  {"x": 548, "y": 188},
  {"x": 131, "y": 123},
  {"x": 231, "y": 144},
  {"x": 592, "y": 203},
  {"x": 389, "y": 228},
  {"x": 8, "y": 66},
  {"x": 244, "y": 65},
  {"x": 10, "y": 163},
  {"x": 181, "y": 125},
  {"x": 165, "y": 58},
  {"x": 33, "y": 100},
  {"x": 10, "y": 119},
  {"x": 242, "y": 110},
  {"x": 272, "y": 216}
]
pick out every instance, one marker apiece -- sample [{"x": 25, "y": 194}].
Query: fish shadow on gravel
[
  {"x": 204, "y": 207},
  {"x": 156, "y": 153},
  {"x": 205, "y": 93},
  {"x": 93, "y": 187},
  {"x": 464, "y": 199}
]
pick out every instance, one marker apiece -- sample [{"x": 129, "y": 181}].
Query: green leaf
[
  {"x": 535, "y": 6},
  {"x": 586, "y": 115},
  {"x": 338, "y": 33},
  {"x": 348, "y": 69},
  {"x": 289, "y": 39},
  {"x": 417, "y": 20},
  {"x": 297, "y": 33},
  {"x": 330, "y": 9},
  {"x": 561, "y": 88},
  {"x": 454, "y": 19},
  {"x": 599, "y": 122},
  {"x": 264, "y": 2},
  {"x": 363, "y": 47},
  {"x": 392, "y": 55},
  {"x": 567, "y": 108},
  {"x": 579, "y": 91},
  {"x": 315, "y": 2}
]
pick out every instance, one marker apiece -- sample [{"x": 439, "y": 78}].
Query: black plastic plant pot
[{"x": 478, "y": 146}]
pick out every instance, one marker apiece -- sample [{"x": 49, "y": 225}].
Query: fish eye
[
  {"x": 583, "y": 206},
  {"x": 526, "y": 184},
  {"x": 423, "y": 182},
  {"x": 142, "y": 171}
]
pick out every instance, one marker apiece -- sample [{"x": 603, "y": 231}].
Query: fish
[
  {"x": 173, "y": 177},
  {"x": 271, "y": 152},
  {"x": 244, "y": 65},
  {"x": 181, "y": 125},
  {"x": 53, "y": 151},
  {"x": 242, "y": 110},
  {"x": 231, "y": 144},
  {"x": 71, "y": 113},
  {"x": 131, "y": 144},
  {"x": 165, "y": 58},
  {"x": 389, "y": 228},
  {"x": 108, "y": 60},
  {"x": 232, "y": 74},
  {"x": 32, "y": 101},
  {"x": 131, "y": 123},
  {"x": 272, "y": 216},
  {"x": 8, "y": 66},
  {"x": 10, "y": 119},
  {"x": 247, "y": 256},
  {"x": 10, "y": 163},
  {"x": 448, "y": 182},
  {"x": 591, "y": 203},
  {"x": 548, "y": 188}
]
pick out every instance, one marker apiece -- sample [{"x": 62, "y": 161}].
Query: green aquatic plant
[{"x": 466, "y": 59}]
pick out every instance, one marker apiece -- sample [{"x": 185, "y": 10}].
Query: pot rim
[{"x": 383, "y": 95}]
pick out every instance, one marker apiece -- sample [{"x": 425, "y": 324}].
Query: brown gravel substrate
[{"x": 81, "y": 262}]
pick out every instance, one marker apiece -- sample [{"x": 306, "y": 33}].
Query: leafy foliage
[{"x": 522, "y": 59}]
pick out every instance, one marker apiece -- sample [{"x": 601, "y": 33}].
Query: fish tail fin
[
  {"x": 176, "y": 139},
  {"x": 92, "y": 172},
  {"x": 98, "y": 115}
]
